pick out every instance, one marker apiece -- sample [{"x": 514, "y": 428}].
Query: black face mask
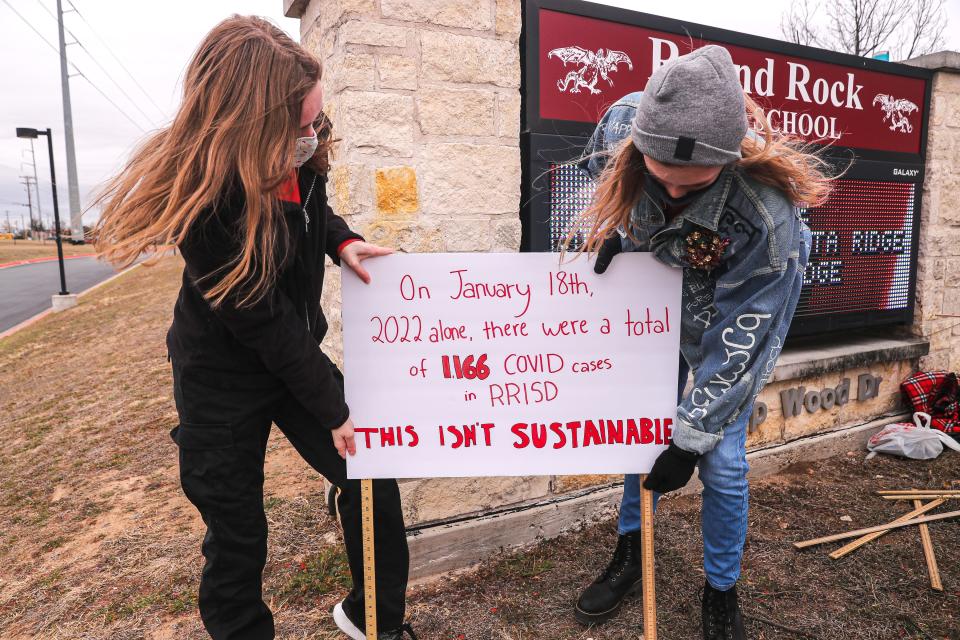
[{"x": 657, "y": 190}]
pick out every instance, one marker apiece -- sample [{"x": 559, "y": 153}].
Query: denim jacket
[{"x": 734, "y": 318}]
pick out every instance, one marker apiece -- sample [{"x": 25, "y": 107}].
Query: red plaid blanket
[{"x": 936, "y": 393}]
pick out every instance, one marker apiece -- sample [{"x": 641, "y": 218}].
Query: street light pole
[
  {"x": 56, "y": 212},
  {"x": 64, "y": 299}
]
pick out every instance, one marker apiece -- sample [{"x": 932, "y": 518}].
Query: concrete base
[
  {"x": 458, "y": 543},
  {"x": 61, "y": 302}
]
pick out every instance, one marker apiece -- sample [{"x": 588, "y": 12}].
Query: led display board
[{"x": 869, "y": 117}]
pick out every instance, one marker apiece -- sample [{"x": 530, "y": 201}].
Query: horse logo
[
  {"x": 593, "y": 66},
  {"x": 896, "y": 110}
]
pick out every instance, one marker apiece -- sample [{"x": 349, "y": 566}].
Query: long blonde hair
[
  {"x": 780, "y": 161},
  {"x": 236, "y": 128}
]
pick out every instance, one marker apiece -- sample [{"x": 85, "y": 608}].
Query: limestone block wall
[
  {"x": 425, "y": 98},
  {"x": 938, "y": 280},
  {"x": 815, "y": 417}
]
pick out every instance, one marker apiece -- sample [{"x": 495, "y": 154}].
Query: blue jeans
[{"x": 723, "y": 516}]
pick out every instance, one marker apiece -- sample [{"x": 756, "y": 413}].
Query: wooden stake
[
  {"x": 927, "y": 543},
  {"x": 647, "y": 563},
  {"x": 882, "y": 527},
  {"x": 911, "y": 492},
  {"x": 369, "y": 556},
  {"x": 859, "y": 542},
  {"x": 924, "y": 496}
]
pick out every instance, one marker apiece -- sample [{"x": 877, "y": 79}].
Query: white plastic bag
[{"x": 917, "y": 441}]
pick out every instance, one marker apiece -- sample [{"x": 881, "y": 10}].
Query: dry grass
[
  {"x": 98, "y": 542},
  {"x": 12, "y": 250}
]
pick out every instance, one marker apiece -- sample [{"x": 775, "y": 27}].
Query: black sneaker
[
  {"x": 397, "y": 634},
  {"x": 602, "y": 600},
  {"x": 353, "y": 629},
  {"x": 721, "y": 617}
]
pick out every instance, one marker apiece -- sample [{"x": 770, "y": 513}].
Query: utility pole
[
  {"x": 28, "y": 184},
  {"x": 76, "y": 221},
  {"x": 36, "y": 181},
  {"x": 32, "y": 180}
]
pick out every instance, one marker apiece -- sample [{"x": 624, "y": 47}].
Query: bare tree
[
  {"x": 797, "y": 23},
  {"x": 863, "y": 27},
  {"x": 905, "y": 28},
  {"x": 928, "y": 21}
]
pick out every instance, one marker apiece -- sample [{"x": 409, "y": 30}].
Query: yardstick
[
  {"x": 935, "y": 583},
  {"x": 369, "y": 569},
  {"x": 647, "y": 563}
]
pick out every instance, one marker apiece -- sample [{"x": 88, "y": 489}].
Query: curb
[
  {"x": 26, "y": 323},
  {"x": 18, "y": 263},
  {"x": 108, "y": 280},
  {"x": 43, "y": 314}
]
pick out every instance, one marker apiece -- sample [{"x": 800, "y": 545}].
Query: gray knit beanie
[{"x": 692, "y": 111}]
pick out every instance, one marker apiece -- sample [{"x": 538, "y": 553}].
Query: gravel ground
[{"x": 880, "y": 592}]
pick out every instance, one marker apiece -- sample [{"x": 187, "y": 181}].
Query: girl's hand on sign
[
  {"x": 343, "y": 438},
  {"x": 356, "y": 252},
  {"x": 607, "y": 252}
]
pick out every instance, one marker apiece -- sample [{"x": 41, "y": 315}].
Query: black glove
[
  {"x": 610, "y": 247},
  {"x": 672, "y": 470}
]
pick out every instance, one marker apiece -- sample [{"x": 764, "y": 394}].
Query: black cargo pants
[{"x": 225, "y": 420}]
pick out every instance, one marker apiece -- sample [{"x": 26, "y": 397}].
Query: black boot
[
  {"x": 601, "y": 600},
  {"x": 721, "y": 616},
  {"x": 398, "y": 633}
]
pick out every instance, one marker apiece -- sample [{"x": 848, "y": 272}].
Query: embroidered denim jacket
[{"x": 735, "y": 317}]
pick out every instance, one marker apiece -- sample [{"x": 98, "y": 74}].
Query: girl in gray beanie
[{"x": 679, "y": 173}]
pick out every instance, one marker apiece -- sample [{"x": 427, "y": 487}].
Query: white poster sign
[{"x": 475, "y": 364}]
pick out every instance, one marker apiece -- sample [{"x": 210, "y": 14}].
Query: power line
[
  {"x": 117, "y": 84},
  {"x": 80, "y": 44},
  {"x": 107, "y": 98},
  {"x": 76, "y": 70},
  {"x": 27, "y": 22},
  {"x": 117, "y": 58}
]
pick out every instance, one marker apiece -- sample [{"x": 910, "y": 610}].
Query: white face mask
[{"x": 304, "y": 150}]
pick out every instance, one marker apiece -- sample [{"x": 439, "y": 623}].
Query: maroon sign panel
[{"x": 586, "y": 64}]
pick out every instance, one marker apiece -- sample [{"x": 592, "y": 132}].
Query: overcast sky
[{"x": 154, "y": 42}]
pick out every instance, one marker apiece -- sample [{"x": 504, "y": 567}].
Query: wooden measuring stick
[
  {"x": 882, "y": 527},
  {"x": 934, "y": 490},
  {"x": 924, "y": 496},
  {"x": 859, "y": 542},
  {"x": 647, "y": 563},
  {"x": 369, "y": 569},
  {"x": 910, "y": 492},
  {"x": 927, "y": 543}
]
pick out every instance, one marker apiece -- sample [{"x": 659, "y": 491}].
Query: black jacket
[{"x": 275, "y": 342}]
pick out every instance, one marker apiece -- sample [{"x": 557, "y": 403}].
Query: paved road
[{"x": 26, "y": 290}]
